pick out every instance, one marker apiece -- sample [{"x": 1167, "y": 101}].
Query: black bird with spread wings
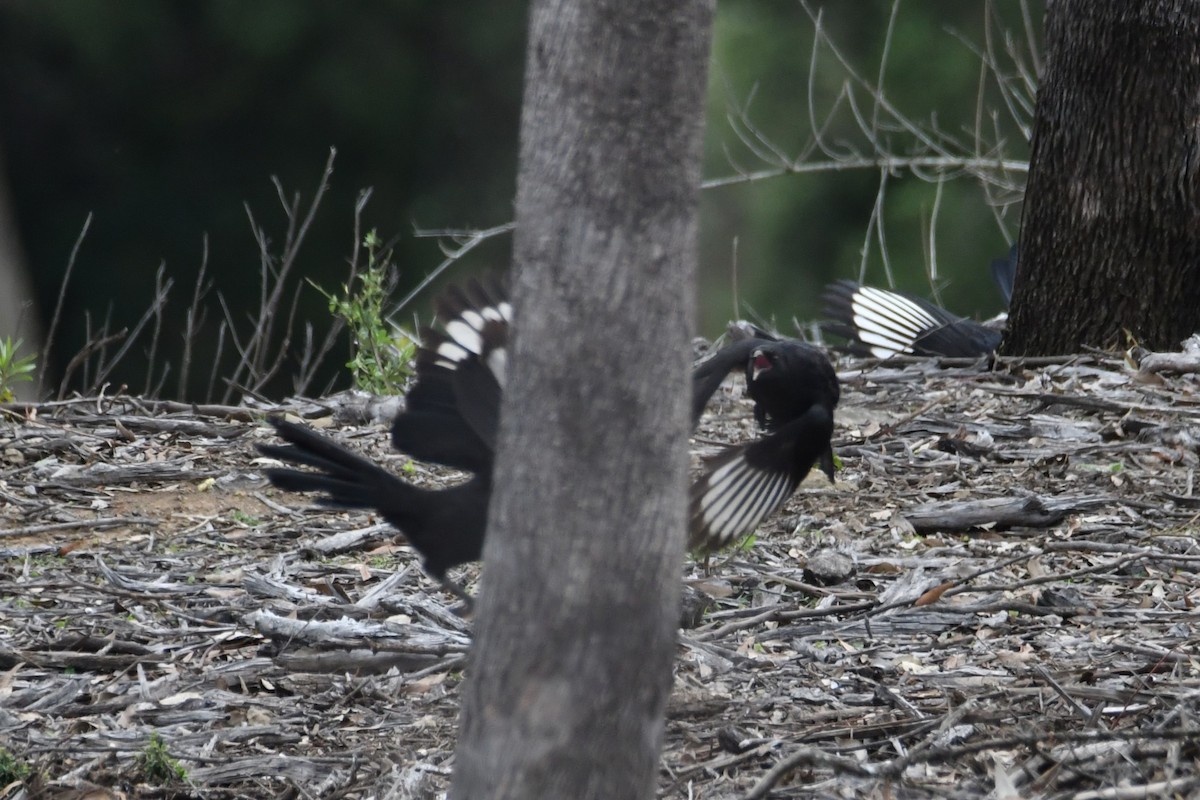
[
  {"x": 795, "y": 391},
  {"x": 451, "y": 418},
  {"x": 883, "y": 323}
]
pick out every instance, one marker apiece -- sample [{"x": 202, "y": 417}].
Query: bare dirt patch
[{"x": 999, "y": 595}]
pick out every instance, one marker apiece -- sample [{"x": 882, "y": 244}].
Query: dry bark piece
[{"x": 999, "y": 512}]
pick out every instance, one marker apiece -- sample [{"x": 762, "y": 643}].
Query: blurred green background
[{"x": 167, "y": 120}]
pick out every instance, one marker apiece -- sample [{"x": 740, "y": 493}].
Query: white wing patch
[
  {"x": 468, "y": 337},
  {"x": 450, "y": 355},
  {"x": 465, "y": 335},
  {"x": 735, "y": 498},
  {"x": 497, "y": 362},
  {"x": 473, "y": 318},
  {"x": 889, "y": 322}
]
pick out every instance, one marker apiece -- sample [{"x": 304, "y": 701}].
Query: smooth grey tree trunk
[
  {"x": 1110, "y": 237},
  {"x": 575, "y": 630}
]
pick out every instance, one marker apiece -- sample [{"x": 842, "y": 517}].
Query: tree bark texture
[
  {"x": 575, "y": 631},
  {"x": 1110, "y": 237}
]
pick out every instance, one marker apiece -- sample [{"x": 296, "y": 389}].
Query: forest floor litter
[{"x": 998, "y": 597}]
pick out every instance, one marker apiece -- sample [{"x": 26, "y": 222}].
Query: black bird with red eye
[{"x": 795, "y": 391}]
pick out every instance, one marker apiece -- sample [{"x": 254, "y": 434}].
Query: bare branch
[
  {"x": 883, "y": 57},
  {"x": 194, "y": 319},
  {"x": 157, "y": 316},
  {"x": 93, "y": 346},
  {"x": 160, "y": 299},
  {"x": 465, "y": 242},
  {"x": 58, "y": 305}
]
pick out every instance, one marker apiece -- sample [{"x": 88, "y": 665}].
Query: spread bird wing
[
  {"x": 445, "y": 526},
  {"x": 884, "y": 323},
  {"x": 745, "y": 484},
  {"x": 709, "y": 373},
  {"x": 348, "y": 479},
  {"x": 452, "y": 413}
]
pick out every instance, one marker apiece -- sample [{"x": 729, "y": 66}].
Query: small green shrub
[
  {"x": 12, "y": 769},
  {"x": 241, "y": 517},
  {"x": 12, "y": 368},
  {"x": 157, "y": 764},
  {"x": 383, "y": 353}
]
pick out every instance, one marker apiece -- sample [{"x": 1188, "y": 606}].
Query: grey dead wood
[
  {"x": 299, "y": 770},
  {"x": 383, "y": 633},
  {"x": 343, "y": 657},
  {"x": 146, "y": 424},
  {"x": 1184, "y": 362},
  {"x": 157, "y": 586},
  {"x": 178, "y": 469},
  {"x": 575, "y": 632},
  {"x": 348, "y": 541},
  {"x": 80, "y": 662},
  {"x": 1002, "y": 512},
  {"x": 85, "y": 524},
  {"x": 260, "y": 585}
]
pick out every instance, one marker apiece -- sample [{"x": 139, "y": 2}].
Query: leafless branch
[
  {"x": 194, "y": 319},
  {"x": 94, "y": 345},
  {"x": 889, "y": 141},
  {"x": 463, "y": 242},
  {"x": 58, "y": 305},
  {"x": 157, "y": 315},
  {"x": 105, "y": 368}
]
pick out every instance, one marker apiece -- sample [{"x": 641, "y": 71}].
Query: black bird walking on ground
[
  {"x": 451, "y": 418},
  {"x": 883, "y": 323}
]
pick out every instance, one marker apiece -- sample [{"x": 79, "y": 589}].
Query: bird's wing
[
  {"x": 884, "y": 323},
  {"x": 452, "y": 412},
  {"x": 745, "y": 484},
  {"x": 709, "y": 373}
]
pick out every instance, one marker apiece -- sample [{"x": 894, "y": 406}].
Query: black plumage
[
  {"x": 451, "y": 418},
  {"x": 795, "y": 391},
  {"x": 883, "y": 323},
  {"x": 445, "y": 526}
]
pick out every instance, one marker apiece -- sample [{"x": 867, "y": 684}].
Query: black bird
[
  {"x": 795, "y": 391},
  {"x": 883, "y": 323},
  {"x": 451, "y": 418}
]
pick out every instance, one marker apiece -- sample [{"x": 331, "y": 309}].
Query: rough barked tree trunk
[
  {"x": 575, "y": 631},
  {"x": 1110, "y": 237}
]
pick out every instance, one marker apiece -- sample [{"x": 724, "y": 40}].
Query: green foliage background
[{"x": 166, "y": 119}]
